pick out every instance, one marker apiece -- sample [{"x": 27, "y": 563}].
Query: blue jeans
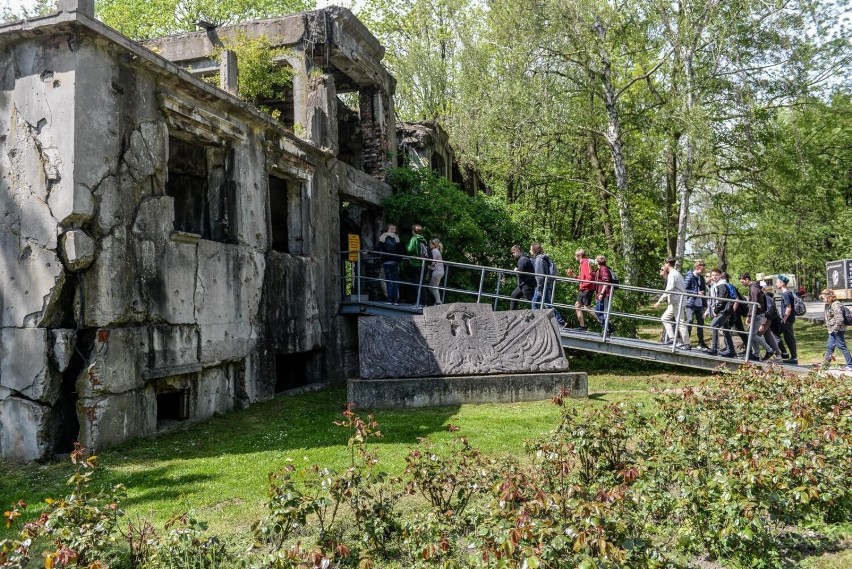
[
  {"x": 392, "y": 280},
  {"x": 600, "y": 310},
  {"x": 546, "y": 302},
  {"x": 837, "y": 340}
]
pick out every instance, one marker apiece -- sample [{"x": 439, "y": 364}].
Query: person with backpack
[
  {"x": 720, "y": 310},
  {"x": 603, "y": 291},
  {"x": 837, "y": 318},
  {"x": 788, "y": 318},
  {"x": 545, "y": 270},
  {"x": 417, "y": 247},
  {"x": 772, "y": 332},
  {"x": 389, "y": 246},
  {"x": 757, "y": 322},
  {"x": 586, "y": 287},
  {"x": 738, "y": 310},
  {"x": 674, "y": 311},
  {"x": 526, "y": 277}
]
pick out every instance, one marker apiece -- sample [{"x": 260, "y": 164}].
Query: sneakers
[
  {"x": 846, "y": 368},
  {"x": 683, "y": 346},
  {"x": 768, "y": 356},
  {"x": 791, "y": 361},
  {"x": 727, "y": 354},
  {"x": 710, "y": 352}
]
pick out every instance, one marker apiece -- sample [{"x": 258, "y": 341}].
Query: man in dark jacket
[
  {"x": 788, "y": 318},
  {"x": 526, "y": 277},
  {"x": 755, "y": 323},
  {"x": 721, "y": 312},
  {"x": 695, "y": 284}
]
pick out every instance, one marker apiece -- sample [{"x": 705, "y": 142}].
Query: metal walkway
[{"x": 361, "y": 276}]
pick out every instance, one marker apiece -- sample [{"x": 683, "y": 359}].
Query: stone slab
[
  {"x": 458, "y": 390},
  {"x": 460, "y": 339},
  {"x": 24, "y": 425},
  {"x": 24, "y": 364}
]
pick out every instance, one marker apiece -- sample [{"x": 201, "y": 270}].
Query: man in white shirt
[{"x": 675, "y": 288}]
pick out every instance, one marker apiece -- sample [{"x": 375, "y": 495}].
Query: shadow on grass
[{"x": 160, "y": 485}]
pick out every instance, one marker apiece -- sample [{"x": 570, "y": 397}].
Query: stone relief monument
[
  {"x": 460, "y": 339},
  {"x": 438, "y": 357}
]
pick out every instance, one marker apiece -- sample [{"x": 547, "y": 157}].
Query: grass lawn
[{"x": 219, "y": 468}]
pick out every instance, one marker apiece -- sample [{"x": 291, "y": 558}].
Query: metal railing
[{"x": 357, "y": 280}]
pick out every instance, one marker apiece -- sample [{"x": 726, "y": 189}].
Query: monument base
[{"x": 456, "y": 390}]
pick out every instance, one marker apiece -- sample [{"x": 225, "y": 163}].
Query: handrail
[{"x": 550, "y": 281}]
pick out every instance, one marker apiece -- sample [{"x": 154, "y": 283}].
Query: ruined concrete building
[
  {"x": 425, "y": 144},
  {"x": 167, "y": 251}
]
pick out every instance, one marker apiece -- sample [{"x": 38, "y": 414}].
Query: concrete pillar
[
  {"x": 86, "y": 7},
  {"x": 229, "y": 72},
  {"x": 322, "y": 112},
  {"x": 374, "y": 106}
]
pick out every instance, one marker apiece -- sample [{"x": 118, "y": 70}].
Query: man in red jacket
[{"x": 587, "y": 288}]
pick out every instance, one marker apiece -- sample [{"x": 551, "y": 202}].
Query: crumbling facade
[
  {"x": 426, "y": 144},
  {"x": 168, "y": 252}
]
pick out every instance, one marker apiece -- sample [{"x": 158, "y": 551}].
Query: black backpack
[
  {"x": 613, "y": 279},
  {"x": 771, "y": 307},
  {"x": 389, "y": 245},
  {"x": 847, "y": 315}
]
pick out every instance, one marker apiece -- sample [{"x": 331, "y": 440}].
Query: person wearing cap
[
  {"x": 788, "y": 318},
  {"x": 756, "y": 319},
  {"x": 836, "y": 329}
]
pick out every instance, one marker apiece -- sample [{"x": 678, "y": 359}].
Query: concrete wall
[{"x": 104, "y": 306}]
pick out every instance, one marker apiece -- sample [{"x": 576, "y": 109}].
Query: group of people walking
[
  {"x": 692, "y": 299},
  {"x": 391, "y": 249}
]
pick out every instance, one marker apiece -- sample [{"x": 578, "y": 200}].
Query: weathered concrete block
[
  {"x": 111, "y": 419},
  {"x": 35, "y": 278},
  {"x": 110, "y": 286},
  {"x": 167, "y": 269},
  {"x": 214, "y": 391},
  {"x": 24, "y": 364},
  {"x": 458, "y": 390},
  {"x": 292, "y": 303},
  {"x": 117, "y": 361},
  {"x": 227, "y": 299},
  {"x": 170, "y": 348},
  {"x": 78, "y": 250},
  {"x": 25, "y": 428},
  {"x": 460, "y": 339},
  {"x": 62, "y": 342}
]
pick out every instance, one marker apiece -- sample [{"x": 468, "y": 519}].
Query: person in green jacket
[{"x": 417, "y": 247}]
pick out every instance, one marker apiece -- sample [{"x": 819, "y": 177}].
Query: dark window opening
[
  {"x": 438, "y": 164},
  {"x": 201, "y": 181},
  {"x": 187, "y": 184},
  {"x": 291, "y": 370},
  {"x": 172, "y": 406},
  {"x": 350, "y": 135},
  {"x": 279, "y": 214}
]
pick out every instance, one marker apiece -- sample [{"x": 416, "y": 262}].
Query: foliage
[
  {"x": 143, "y": 19},
  {"x": 37, "y": 8},
  {"x": 474, "y": 229},
  {"x": 732, "y": 468},
  {"x": 261, "y": 76},
  {"x": 82, "y": 525}
]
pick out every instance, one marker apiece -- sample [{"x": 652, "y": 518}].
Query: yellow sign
[{"x": 354, "y": 246}]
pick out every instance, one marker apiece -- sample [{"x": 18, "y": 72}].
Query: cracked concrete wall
[{"x": 103, "y": 305}]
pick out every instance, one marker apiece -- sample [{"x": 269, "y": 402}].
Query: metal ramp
[{"x": 491, "y": 280}]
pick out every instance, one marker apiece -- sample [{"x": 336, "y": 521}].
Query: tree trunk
[
  {"x": 689, "y": 163},
  {"x": 603, "y": 191},
  {"x": 671, "y": 194},
  {"x": 613, "y": 136}
]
